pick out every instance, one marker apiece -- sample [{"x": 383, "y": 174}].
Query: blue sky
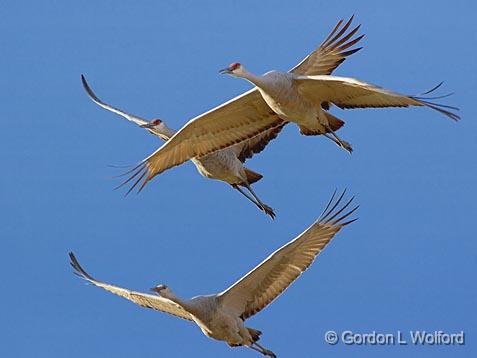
[{"x": 407, "y": 264}]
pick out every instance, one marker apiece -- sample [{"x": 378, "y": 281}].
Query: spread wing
[
  {"x": 246, "y": 149},
  {"x": 351, "y": 93},
  {"x": 268, "y": 280},
  {"x": 331, "y": 53},
  {"x": 142, "y": 299},
  {"x": 130, "y": 117},
  {"x": 135, "y": 119},
  {"x": 239, "y": 119}
]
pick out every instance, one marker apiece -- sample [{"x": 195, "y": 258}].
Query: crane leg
[
  {"x": 268, "y": 210},
  {"x": 341, "y": 143},
  {"x": 235, "y": 186},
  {"x": 332, "y": 138},
  {"x": 266, "y": 352},
  {"x": 259, "y": 204}
]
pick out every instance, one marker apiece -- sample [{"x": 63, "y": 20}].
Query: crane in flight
[
  {"x": 226, "y": 165},
  {"x": 246, "y": 115},
  {"x": 221, "y": 316},
  {"x": 303, "y": 99}
]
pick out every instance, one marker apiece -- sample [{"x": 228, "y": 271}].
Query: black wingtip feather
[
  {"x": 340, "y": 210},
  {"x": 330, "y": 214},
  {"x": 340, "y": 33},
  {"x": 329, "y": 203},
  {"x": 349, "y": 222},
  {"x": 432, "y": 89},
  {"x": 441, "y": 108},
  {"x": 88, "y": 90},
  {"x": 78, "y": 270},
  {"x": 350, "y": 52},
  {"x": 325, "y": 217},
  {"x": 341, "y": 218},
  {"x": 140, "y": 170}
]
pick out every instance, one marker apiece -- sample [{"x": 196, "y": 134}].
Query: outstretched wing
[
  {"x": 239, "y": 119},
  {"x": 130, "y": 117},
  {"x": 351, "y": 93},
  {"x": 246, "y": 149},
  {"x": 142, "y": 299},
  {"x": 268, "y": 280},
  {"x": 331, "y": 53}
]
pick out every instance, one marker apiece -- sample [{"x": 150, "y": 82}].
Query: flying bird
[
  {"x": 226, "y": 165},
  {"x": 246, "y": 115},
  {"x": 221, "y": 316},
  {"x": 303, "y": 99}
]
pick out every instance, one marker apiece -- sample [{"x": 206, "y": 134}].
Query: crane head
[
  {"x": 233, "y": 69},
  {"x": 161, "y": 290},
  {"x": 152, "y": 124}
]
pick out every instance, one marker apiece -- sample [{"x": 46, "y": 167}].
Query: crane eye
[{"x": 234, "y": 66}]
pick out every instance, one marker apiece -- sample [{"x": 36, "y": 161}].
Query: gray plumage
[
  {"x": 221, "y": 316},
  {"x": 304, "y": 94},
  {"x": 226, "y": 165},
  {"x": 245, "y": 116}
]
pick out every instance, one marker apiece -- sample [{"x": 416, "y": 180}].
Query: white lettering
[{"x": 437, "y": 338}]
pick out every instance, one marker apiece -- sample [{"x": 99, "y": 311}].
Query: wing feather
[
  {"x": 130, "y": 117},
  {"x": 248, "y": 148},
  {"x": 244, "y": 117},
  {"x": 347, "y": 93},
  {"x": 268, "y": 280},
  {"x": 142, "y": 299},
  {"x": 230, "y": 123},
  {"x": 332, "y": 51}
]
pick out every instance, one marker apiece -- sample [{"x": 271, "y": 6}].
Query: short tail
[
  {"x": 335, "y": 123},
  {"x": 252, "y": 177},
  {"x": 255, "y": 334}
]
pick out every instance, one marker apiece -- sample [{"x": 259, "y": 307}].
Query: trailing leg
[
  {"x": 268, "y": 210},
  {"x": 266, "y": 352},
  {"x": 260, "y": 205},
  {"x": 341, "y": 143}
]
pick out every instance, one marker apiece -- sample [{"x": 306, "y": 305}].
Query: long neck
[
  {"x": 167, "y": 131},
  {"x": 164, "y": 132},
  {"x": 256, "y": 80},
  {"x": 183, "y": 303}
]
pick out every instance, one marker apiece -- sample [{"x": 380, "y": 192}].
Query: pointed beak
[
  {"x": 225, "y": 71},
  {"x": 147, "y": 125},
  {"x": 153, "y": 289}
]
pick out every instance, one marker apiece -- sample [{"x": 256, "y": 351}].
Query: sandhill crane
[
  {"x": 302, "y": 98},
  {"x": 244, "y": 116},
  {"x": 221, "y": 316},
  {"x": 225, "y": 165}
]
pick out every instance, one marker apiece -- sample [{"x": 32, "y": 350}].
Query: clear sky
[{"x": 408, "y": 263}]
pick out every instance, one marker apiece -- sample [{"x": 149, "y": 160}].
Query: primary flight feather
[
  {"x": 226, "y": 165},
  {"x": 221, "y": 316},
  {"x": 245, "y": 116}
]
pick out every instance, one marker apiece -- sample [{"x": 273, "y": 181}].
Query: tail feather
[
  {"x": 307, "y": 131},
  {"x": 334, "y": 122},
  {"x": 254, "y": 333},
  {"x": 252, "y": 177}
]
